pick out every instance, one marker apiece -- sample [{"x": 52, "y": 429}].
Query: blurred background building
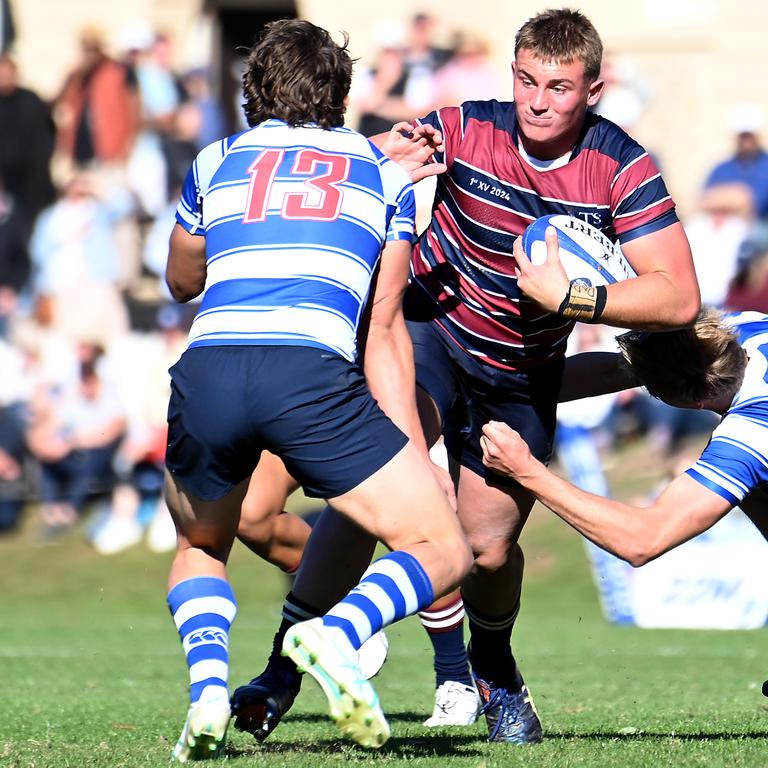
[{"x": 697, "y": 58}]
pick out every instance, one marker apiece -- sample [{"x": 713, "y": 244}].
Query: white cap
[
  {"x": 745, "y": 118},
  {"x": 137, "y": 35},
  {"x": 389, "y": 34}
]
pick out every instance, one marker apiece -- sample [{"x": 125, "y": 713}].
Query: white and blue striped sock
[
  {"x": 203, "y": 609},
  {"x": 393, "y": 587}
]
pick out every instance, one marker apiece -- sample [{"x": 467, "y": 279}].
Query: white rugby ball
[{"x": 586, "y": 253}]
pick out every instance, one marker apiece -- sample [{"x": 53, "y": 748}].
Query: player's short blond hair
[
  {"x": 563, "y": 35},
  {"x": 688, "y": 366}
]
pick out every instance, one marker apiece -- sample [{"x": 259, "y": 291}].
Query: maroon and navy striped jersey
[{"x": 463, "y": 269}]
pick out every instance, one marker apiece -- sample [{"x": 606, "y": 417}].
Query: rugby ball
[{"x": 587, "y": 255}]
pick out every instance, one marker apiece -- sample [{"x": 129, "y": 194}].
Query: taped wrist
[{"x": 583, "y": 302}]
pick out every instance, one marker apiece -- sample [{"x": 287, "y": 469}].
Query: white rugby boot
[{"x": 353, "y": 702}]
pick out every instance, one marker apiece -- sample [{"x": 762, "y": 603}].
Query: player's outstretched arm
[
  {"x": 635, "y": 534},
  {"x": 186, "y": 270},
  {"x": 588, "y": 374}
]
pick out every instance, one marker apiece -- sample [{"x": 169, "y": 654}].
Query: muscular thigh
[
  {"x": 401, "y": 504},
  {"x": 491, "y": 516}
]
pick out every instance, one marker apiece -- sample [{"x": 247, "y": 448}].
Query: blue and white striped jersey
[
  {"x": 735, "y": 461},
  {"x": 294, "y": 221}
]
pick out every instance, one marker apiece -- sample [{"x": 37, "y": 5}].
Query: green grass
[{"x": 93, "y": 675}]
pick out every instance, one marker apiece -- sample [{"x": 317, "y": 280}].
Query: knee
[
  {"x": 495, "y": 553},
  {"x": 458, "y": 557}
]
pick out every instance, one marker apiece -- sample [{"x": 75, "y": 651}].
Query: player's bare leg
[
  {"x": 277, "y": 536},
  {"x": 203, "y": 607},
  {"x": 404, "y": 507},
  {"x": 492, "y": 519},
  {"x": 259, "y": 705}
]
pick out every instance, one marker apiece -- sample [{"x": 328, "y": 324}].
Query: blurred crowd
[{"x": 88, "y": 188}]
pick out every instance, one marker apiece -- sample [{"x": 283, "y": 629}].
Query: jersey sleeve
[
  {"x": 402, "y": 225},
  {"x": 447, "y": 120},
  {"x": 400, "y": 201},
  {"x": 189, "y": 212},
  {"x": 640, "y": 201},
  {"x": 735, "y": 460}
]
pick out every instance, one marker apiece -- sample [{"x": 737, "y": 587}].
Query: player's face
[{"x": 551, "y": 99}]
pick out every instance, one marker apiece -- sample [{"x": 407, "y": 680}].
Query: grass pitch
[{"x": 93, "y": 674}]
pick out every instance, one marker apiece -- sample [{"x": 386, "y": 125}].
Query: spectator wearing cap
[{"x": 749, "y": 163}]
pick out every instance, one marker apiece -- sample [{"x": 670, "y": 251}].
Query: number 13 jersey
[{"x": 294, "y": 221}]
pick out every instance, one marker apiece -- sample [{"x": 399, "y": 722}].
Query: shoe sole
[
  {"x": 354, "y": 705},
  {"x": 203, "y": 736}
]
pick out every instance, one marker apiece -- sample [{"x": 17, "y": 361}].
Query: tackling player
[
  {"x": 720, "y": 364},
  {"x": 288, "y": 227}
]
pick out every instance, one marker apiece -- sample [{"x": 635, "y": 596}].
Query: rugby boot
[
  {"x": 259, "y": 706},
  {"x": 509, "y": 711},
  {"x": 205, "y": 728},
  {"x": 352, "y": 701}
]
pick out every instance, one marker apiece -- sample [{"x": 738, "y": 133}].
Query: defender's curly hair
[
  {"x": 687, "y": 366},
  {"x": 296, "y": 72}
]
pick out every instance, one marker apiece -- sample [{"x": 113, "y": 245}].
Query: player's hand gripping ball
[{"x": 586, "y": 254}]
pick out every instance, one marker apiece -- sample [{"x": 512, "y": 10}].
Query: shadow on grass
[
  {"x": 445, "y": 743},
  {"x": 428, "y": 744},
  {"x": 641, "y": 736},
  {"x": 393, "y": 717},
  {"x": 396, "y": 747}
]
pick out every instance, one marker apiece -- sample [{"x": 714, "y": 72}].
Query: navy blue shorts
[
  {"x": 468, "y": 394},
  {"x": 310, "y": 407}
]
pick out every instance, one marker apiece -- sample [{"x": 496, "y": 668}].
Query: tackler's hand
[{"x": 504, "y": 450}]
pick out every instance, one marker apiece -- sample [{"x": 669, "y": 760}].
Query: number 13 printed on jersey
[{"x": 320, "y": 202}]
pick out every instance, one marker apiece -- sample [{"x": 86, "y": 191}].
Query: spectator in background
[
  {"x": 211, "y": 121},
  {"x": 374, "y": 86},
  {"x": 749, "y": 288},
  {"x": 403, "y": 80},
  {"x": 75, "y": 260},
  {"x": 27, "y": 138},
  {"x": 140, "y": 362},
  {"x": 98, "y": 108},
  {"x": 625, "y": 96},
  {"x": 98, "y": 116},
  {"x": 160, "y": 94},
  {"x": 13, "y": 396},
  {"x": 749, "y": 163},
  {"x": 14, "y": 257},
  {"x": 468, "y": 75},
  {"x": 717, "y": 231},
  {"x": 74, "y": 435}
]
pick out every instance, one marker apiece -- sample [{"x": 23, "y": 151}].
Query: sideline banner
[{"x": 715, "y": 581}]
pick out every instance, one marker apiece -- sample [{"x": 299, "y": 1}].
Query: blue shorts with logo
[
  {"x": 310, "y": 407},
  {"x": 468, "y": 394}
]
